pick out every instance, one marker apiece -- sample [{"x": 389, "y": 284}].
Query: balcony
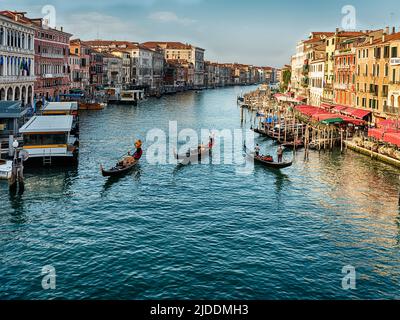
[
  {"x": 53, "y": 56},
  {"x": 53, "y": 75},
  {"x": 343, "y": 67},
  {"x": 341, "y": 86},
  {"x": 391, "y": 110},
  {"x": 10, "y": 49},
  {"x": 16, "y": 79}
]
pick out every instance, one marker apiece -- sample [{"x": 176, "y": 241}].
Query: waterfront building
[
  {"x": 158, "y": 66},
  {"x": 373, "y": 74},
  {"x": 51, "y": 57},
  {"x": 74, "y": 71},
  {"x": 113, "y": 70},
  {"x": 186, "y": 52},
  {"x": 12, "y": 117},
  {"x": 82, "y": 50},
  {"x": 179, "y": 74},
  {"x": 126, "y": 65},
  {"x": 225, "y": 75},
  {"x": 96, "y": 69},
  {"x": 345, "y": 66},
  {"x": 297, "y": 64},
  {"x": 211, "y": 74},
  {"x": 17, "y": 56},
  {"x": 332, "y": 41},
  {"x": 392, "y": 109},
  {"x": 316, "y": 74},
  {"x": 50, "y": 139}
]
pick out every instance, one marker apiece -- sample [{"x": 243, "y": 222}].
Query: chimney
[
  {"x": 384, "y": 37},
  {"x": 371, "y": 40},
  {"x": 62, "y": 29},
  {"x": 393, "y": 30},
  {"x": 387, "y": 30}
]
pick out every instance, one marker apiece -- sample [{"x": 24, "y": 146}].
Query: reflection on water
[{"x": 200, "y": 231}]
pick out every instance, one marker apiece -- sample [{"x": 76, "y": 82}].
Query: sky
[{"x": 258, "y": 32}]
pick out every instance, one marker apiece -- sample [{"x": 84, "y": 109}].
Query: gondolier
[{"x": 280, "y": 154}]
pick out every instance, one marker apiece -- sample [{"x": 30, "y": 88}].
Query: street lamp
[{"x": 15, "y": 144}]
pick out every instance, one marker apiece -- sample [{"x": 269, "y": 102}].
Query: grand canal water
[{"x": 199, "y": 232}]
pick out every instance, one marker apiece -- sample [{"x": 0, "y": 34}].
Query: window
[
  {"x": 394, "y": 76},
  {"x": 386, "y": 70},
  {"x": 386, "y": 52},
  {"x": 394, "y": 52}
]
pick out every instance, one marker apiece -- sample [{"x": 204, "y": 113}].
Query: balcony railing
[
  {"x": 391, "y": 110},
  {"x": 341, "y": 86},
  {"x": 53, "y": 55},
  {"x": 12, "y": 79}
]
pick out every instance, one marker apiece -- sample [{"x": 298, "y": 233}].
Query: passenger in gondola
[{"x": 257, "y": 150}]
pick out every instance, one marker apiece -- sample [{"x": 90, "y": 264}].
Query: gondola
[
  {"x": 259, "y": 131},
  {"x": 126, "y": 164},
  {"x": 270, "y": 164},
  {"x": 194, "y": 156},
  {"x": 118, "y": 170}
]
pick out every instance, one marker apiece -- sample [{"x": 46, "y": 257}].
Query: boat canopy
[
  {"x": 61, "y": 106},
  {"x": 48, "y": 124}
]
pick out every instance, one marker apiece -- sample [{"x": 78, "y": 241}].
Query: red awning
[
  {"x": 360, "y": 113},
  {"x": 392, "y": 138},
  {"x": 376, "y": 133},
  {"x": 389, "y": 123},
  {"x": 309, "y": 110},
  {"x": 339, "y": 108}
]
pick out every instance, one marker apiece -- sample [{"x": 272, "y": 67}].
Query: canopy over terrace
[
  {"x": 386, "y": 135},
  {"x": 390, "y": 124},
  {"x": 322, "y": 115}
]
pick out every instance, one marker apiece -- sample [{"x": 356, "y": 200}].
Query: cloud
[
  {"x": 168, "y": 17},
  {"x": 90, "y": 24}
]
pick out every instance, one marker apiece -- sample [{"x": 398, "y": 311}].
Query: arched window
[
  {"x": 392, "y": 101},
  {"x": 398, "y": 102}
]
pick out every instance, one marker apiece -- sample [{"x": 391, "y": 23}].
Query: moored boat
[
  {"x": 291, "y": 144},
  {"x": 5, "y": 169}
]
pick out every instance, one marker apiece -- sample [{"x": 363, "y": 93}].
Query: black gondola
[
  {"x": 126, "y": 164},
  {"x": 118, "y": 170},
  {"x": 270, "y": 164}
]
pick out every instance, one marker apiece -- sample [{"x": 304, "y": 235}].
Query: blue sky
[{"x": 260, "y": 32}]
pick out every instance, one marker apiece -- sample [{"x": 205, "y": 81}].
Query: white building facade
[
  {"x": 316, "y": 75},
  {"x": 17, "y": 54}
]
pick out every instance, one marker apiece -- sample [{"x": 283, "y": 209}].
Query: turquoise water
[{"x": 199, "y": 232}]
